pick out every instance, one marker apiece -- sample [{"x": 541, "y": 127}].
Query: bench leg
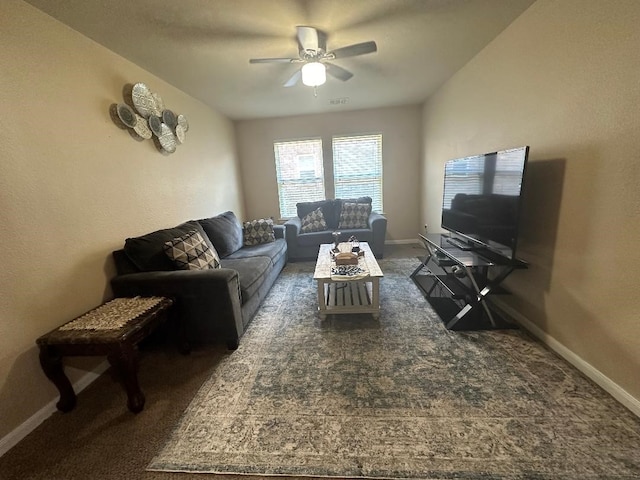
[
  {"x": 124, "y": 359},
  {"x": 51, "y": 362}
]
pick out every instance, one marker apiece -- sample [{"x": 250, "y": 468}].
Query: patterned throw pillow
[
  {"x": 354, "y": 215},
  {"x": 314, "y": 222},
  {"x": 191, "y": 252},
  {"x": 259, "y": 231}
]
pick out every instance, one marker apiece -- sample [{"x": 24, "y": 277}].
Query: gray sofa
[
  {"x": 214, "y": 305},
  {"x": 304, "y": 246}
]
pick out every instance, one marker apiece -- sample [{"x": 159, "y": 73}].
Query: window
[
  {"x": 357, "y": 168},
  {"x": 299, "y": 173}
]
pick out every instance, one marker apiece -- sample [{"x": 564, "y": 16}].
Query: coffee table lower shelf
[{"x": 349, "y": 297}]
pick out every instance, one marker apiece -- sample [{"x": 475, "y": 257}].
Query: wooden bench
[{"x": 113, "y": 329}]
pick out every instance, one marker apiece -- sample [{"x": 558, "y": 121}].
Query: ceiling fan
[{"x": 313, "y": 54}]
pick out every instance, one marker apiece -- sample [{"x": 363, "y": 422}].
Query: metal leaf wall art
[{"x": 143, "y": 114}]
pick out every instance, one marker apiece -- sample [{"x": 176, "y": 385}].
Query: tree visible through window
[
  {"x": 357, "y": 167},
  {"x": 299, "y": 173}
]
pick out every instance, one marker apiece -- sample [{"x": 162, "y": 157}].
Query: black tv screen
[{"x": 482, "y": 199}]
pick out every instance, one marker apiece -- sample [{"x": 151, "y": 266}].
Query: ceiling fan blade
[
  {"x": 272, "y": 60},
  {"x": 307, "y": 38},
  {"x": 356, "y": 49},
  {"x": 322, "y": 41},
  {"x": 338, "y": 72},
  {"x": 294, "y": 79}
]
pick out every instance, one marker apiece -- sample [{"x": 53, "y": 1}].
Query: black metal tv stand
[{"x": 458, "y": 282}]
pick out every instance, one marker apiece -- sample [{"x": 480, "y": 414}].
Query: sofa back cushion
[
  {"x": 331, "y": 209},
  {"x": 305, "y": 208},
  {"x": 225, "y": 232},
  {"x": 123, "y": 263},
  {"x": 147, "y": 251}
]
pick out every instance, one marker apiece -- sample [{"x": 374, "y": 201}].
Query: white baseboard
[
  {"x": 12, "y": 439},
  {"x": 615, "y": 390}
]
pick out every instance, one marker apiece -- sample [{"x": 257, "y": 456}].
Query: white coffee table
[{"x": 338, "y": 296}]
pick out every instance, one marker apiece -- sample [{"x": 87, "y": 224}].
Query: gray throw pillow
[
  {"x": 191, "y": 252},
  {"x": 313, "y": 222},
  {"x": 354, "y": 215},
  {"x": 257, "y": 232}
]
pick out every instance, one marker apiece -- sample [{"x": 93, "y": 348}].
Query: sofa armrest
[
  {"x": 292, "y": 230},
  {"x": 171, "y": 283},
  {"x": 377, "y": 221},
  {"x": 278, "y": 231},
  {"x": 207, "y": 300},
  {"x": 293, "y": 225},
  {"x": 378, "y": 225}
]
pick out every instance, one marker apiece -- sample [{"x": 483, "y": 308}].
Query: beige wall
[
  {"x": 400, "y": 128},
  {"x": 563, "y": 78},
  {"x": 73, "y": 186}
]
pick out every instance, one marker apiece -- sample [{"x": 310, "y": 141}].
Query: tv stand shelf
[
  {"x": 458, "y": 282},
  {"x": 450, "y": 284}
]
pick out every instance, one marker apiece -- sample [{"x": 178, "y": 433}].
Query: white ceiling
[{"x": 203, "y": 46}]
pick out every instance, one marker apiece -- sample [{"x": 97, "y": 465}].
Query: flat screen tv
[{"x": 482, "y": 200}]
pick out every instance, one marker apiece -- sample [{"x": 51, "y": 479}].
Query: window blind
[
  {"x": 357, "y": 167},
  {"x": 299, "y": 173}
]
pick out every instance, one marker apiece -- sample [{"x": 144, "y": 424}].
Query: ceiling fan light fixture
[{"x": 314, "y": 74}]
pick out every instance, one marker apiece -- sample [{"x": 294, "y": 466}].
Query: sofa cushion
[
  {"x": 354, "y": 215},
  {"x": 314, "y": 222},
  {"x": 191, "y": 252},
  {"x": 147, "y": 251},
  {"x": 315, "y": 238},
  {"x": 257, "y": 232},
  {"x": 273, "y": 250},
  {"x": 224, "y": 231},
  {"x": 252, "y": 272},
  {"x": 305, "y": 208}
]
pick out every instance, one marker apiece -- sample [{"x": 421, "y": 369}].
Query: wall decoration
[{"x": 144, "y": 115}]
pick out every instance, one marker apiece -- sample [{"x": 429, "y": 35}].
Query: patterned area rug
[{"x": 398, "y": 397}]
